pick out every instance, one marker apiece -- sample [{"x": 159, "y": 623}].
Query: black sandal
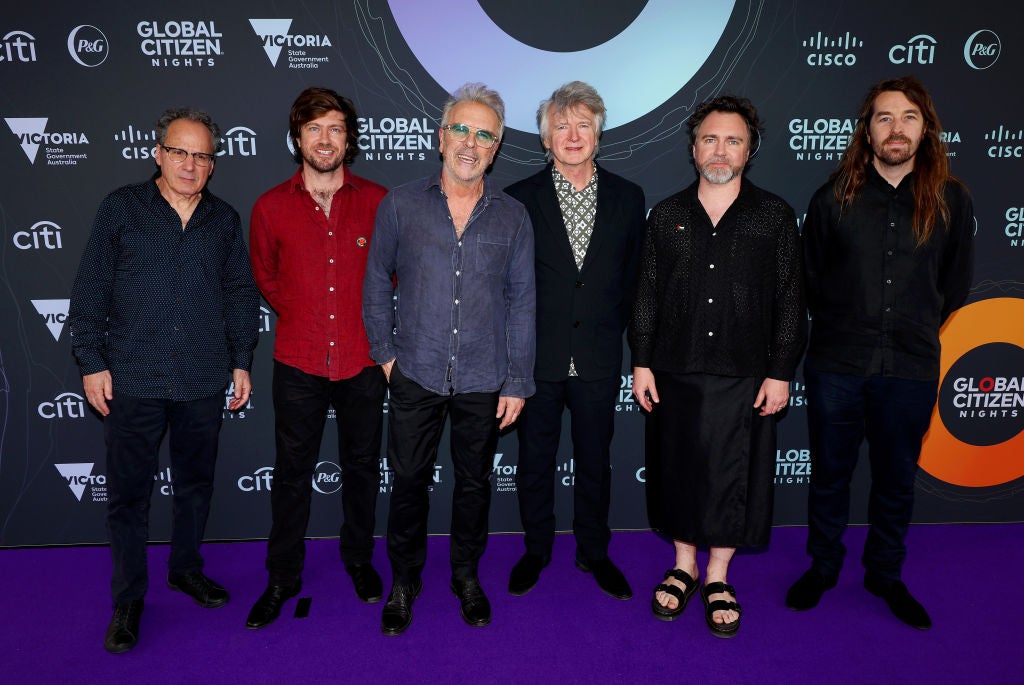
[
  {"x": 663, "y": 613},
  {"x": 720, "y": 629}
]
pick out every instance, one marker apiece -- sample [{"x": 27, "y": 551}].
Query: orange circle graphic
[{"x": 944, "y": 456}]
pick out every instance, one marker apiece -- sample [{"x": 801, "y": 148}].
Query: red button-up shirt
[{"x": 310, "y": 269}]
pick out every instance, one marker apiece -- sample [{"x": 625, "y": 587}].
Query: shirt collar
[
  {"x": 491, "y": 190},
  {"x": 297, "y": 185}
]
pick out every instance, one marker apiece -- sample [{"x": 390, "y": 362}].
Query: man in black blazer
[{"x": 588, "y": 225}]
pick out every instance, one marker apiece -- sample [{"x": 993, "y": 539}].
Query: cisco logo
[{"x": 832, "y": 52}]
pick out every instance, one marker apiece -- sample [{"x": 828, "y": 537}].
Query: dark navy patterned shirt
[{"x": 169, "y": 312}]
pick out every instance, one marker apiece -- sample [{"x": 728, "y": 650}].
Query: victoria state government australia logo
[{"x": 976, "y": 438}]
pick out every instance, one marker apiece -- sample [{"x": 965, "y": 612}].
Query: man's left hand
[
  {"x": 509, "y": 409},
  {"x": 243, "y": 386},
  {"x": 772, "y": 397}
]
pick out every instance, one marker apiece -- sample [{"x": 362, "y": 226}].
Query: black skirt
[{"x": 710, "y": 461}]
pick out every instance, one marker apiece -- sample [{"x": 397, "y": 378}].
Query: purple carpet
[{"x": 564, "y": 631}]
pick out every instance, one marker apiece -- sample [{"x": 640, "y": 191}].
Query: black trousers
[
  {"x": 893, "y": 414},
  {"x": 592, "y": 414},
  {"x": 416, "y": 419},
  {"x": 301, "y": 401},
  {"x": 133, "y": 431}
]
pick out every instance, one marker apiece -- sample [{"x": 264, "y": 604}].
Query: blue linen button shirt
[{"x": 463, "y": 315}]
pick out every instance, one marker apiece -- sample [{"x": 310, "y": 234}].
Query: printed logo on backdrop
[
  {"x": 797, "y": 394},
  {"x": 67, "y": 405},
  {"x": 395, "y": 138},
  {"x": 327, "y": 478},
  {"x": 164, "y": 480},
  {"x": 1005, "y": 143},
  {"x": 139, "y": 142},
  {"x": 565, "y": 473},
  {"x": 626, "y": 402},
  {"x": 238, "y": 141},
  {"x": 387, "y": 477},
  {"x": 639, "y": 68},
  {"x": 504, "y": 474},
  {"x": 918, "y": 50},
  {"x": 832, "y": 51},
  {"x": 54, "y": 313},
  {"x": 265, "y": 322},
  {"x": 820, "y": 140},
  {"x": 976, "y": 438},
  {"x": 79, "y": 476},
  {"x": 88, "y": 46},
  {"x": 982, "y": 49},
  {"x": 792, "y": 467},
  {"x": 186, "y": 43},
  {"x": 949, "y": 138},
  {"x": 260, "y": 480},
  {"x": 60, "y": 146},
  {"x": 42, "y": 235},
  {"x": 303, "y": 50},
  {"x": 1014, "y": 226},
  {"x": 18, "y": 46}
]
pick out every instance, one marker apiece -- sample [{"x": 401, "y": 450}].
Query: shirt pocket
[{"x": 491, "y": 254}]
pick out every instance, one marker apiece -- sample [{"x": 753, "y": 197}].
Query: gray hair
[
  {"x": 476, "y": 92},
  {"x": 191, "y": 114},
  {"x": 567, "y": 97}
]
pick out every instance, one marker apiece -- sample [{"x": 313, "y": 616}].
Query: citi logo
[
  {"x": 919, "y": 50},
  {"x": 261, "y": 480},
  {"x": 88, "y": 46},
  {"x": 54, "y": 313},
  {"x": 274, "y": 36},
  {"x": 77, "y": 476},
  {"x": 31, "y": 133},
  {"x": 18, "y": 46},
  {"x": 239, "y": 141},
  {"x": 982, "y": 49},
  {"x": 67, "y": 405},
  {"x": 42, "y": 235}
]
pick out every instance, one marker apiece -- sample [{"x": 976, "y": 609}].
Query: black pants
[
  {"x": 301, "y": 401},
  {"x": 416, "y": 419},
  {"x": 134, "y": 430},
  {"x": 893, "y": 414},
  {"x": 592, "y": 413}
]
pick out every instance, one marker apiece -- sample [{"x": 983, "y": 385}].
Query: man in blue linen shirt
[{"x": 456, "y": 336}]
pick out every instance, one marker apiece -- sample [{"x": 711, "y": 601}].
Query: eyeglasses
[
  {"x": 459, "y": 132},
  {"x": 178, "y": 155}
]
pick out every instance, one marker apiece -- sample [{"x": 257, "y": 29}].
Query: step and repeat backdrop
[{"x": 81, "y": 86}]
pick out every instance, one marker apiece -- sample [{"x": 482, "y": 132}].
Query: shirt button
[
  {"x": 330, "y": 232},
  {"x": 458, "y": 273},
  {"x": 460, "y": 243},
  {"x": 711, "y": 266},
  {"x": 332, "y": 316},
  {"x": 888, "y": 309},
  {"x": 330, "y": 261},
  {"x": 714, "y": 234},
  {"x": 710, "y": 300},
  {"x": 711, "y": 333},
  {"x": 316, "y": 209},
  {"x": 889, "y": 253},
  {"x": 332, "y": 343},
  {"x": 455, "y": 330},
  {"x": 331, "y": 289},
  {"x": 456, "y": 301},
  {"x": 888, "y": 281}
]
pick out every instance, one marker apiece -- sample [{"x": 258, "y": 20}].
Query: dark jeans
[
  {"x": 893, "y": 414},
  {"x": 416, "y": 419},
  {"x": 133, "y": 431},
  {"x": 301, "y": 401},
  {"x": 592, "y": 413}
]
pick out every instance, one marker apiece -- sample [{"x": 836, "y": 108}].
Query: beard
[
  {"x": 896, "y": 157},
  {"x": 321, "y": 164},
  {"x": 719, "y": 175}
]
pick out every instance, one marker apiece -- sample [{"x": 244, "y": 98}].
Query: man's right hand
[
  {"x": 99, "y": 388},
  {"x": 386, "y": 366}
]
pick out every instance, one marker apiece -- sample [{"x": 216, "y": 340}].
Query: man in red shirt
[{"x": 309, "y": 239}]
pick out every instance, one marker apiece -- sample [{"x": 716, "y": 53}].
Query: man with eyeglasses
[
  {"x": 588, "y": 225},
  {"x": 454, "y": 337},
  {"x": 163, "y": 311},
  {"x": 309, "y": 238}
]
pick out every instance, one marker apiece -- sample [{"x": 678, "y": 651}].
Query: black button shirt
[
  {"x": 877, "y": 299},
  {"x": 169, "y": 312}
]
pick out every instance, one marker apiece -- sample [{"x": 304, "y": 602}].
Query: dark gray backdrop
[{"x": 80, "y": 88}]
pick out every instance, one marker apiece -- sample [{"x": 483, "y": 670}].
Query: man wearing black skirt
[{"x": 718, "y": 329}]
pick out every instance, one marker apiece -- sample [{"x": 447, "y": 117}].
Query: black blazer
[{"x": 582, "y": 313}]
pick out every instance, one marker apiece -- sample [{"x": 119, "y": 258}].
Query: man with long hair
[{"x": 888, "y": 255}]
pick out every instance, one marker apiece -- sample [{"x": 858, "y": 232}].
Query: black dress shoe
[
  {"x": 204, "y": 591},
  {"x": 526, "y": 573},
  {"x": 807, "y": 591},
  {"x": 398, "y": 609},
  {"x": 474, "y": 606},
  {"x": 123, "y": 631},
  {"x": 268, "y": 607},
  {"x": 901, "y": 603},
  {"x": 367, "y": 582},
  {"x": 609, "y": 578}
]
